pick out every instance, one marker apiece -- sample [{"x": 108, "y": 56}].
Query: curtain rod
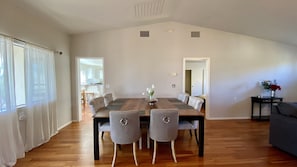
[{"x": 21, "y": 40}]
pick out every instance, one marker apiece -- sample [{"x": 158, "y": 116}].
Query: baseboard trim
[
  {"x": 227, "y": 118},
  {"x": 63, "y": 126}
]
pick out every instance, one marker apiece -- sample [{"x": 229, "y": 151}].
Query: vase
[
  {"x": 272, "y": 93},
  {"x": 265, "y": 93},
  {"x": 150, "y": 97}
]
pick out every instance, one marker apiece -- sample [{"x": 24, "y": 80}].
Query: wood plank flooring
[{"x": 228, "y": 143}]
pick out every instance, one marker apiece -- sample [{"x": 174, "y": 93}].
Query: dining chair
[
  {"x": 193, "y": 101},
  {"x": 163, "y": 128},
  {"x": 96, "y": 104},
  {"x": 83, "y": 98},
  {"x": 108, "y": 98},
  {"x": 125, "y": 129},
  {"x": 196, "y": 103},
  {"x": 184, "y": 97}
]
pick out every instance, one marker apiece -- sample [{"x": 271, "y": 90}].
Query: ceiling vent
[
  {"x": 195, "y": 34},
  {"x": 144, "y": 34},
  {"x": 149, "y": 8}
]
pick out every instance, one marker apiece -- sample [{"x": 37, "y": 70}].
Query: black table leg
[
  {"x": 96, "y": 139},
  {"x": 201, "y": 137},
  {"x": 271, "y": 102},
  {"x": 260, "y": 110},
  {"x": 252, "y": 110}
]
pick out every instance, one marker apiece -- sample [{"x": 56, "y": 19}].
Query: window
[
  {"x": 19, "y": 74},
  {"x": 27, "y": 75}
]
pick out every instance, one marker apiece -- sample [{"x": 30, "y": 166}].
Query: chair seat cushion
[
  {"x": 104, "y": 127},
  {"x": 182, "y": 125}
]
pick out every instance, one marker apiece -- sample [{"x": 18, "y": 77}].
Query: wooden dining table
[{"x": 186, "y": 112}]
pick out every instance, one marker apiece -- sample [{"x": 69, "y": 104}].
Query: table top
[
  {"x": 265, "y": 97},
  {"x": 141, "y": 105}
]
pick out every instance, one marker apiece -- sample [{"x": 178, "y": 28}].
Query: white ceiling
[{"x": 268, "y": 19}]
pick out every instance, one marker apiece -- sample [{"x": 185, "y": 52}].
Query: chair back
[
  {"x": 195, "y": 102},
  {"x": 124, "y": 126},
  {"x": 163, "y": 124},
  {"x": 108, "y": 98},
  {"x": 96, "y": 104},
  {"x": 184, "y": 97},
  {"x": 199, "y": 103}
]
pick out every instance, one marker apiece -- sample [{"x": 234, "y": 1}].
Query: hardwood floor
[{"x": 228, "y": 143}]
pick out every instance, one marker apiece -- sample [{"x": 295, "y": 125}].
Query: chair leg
[
  {"x": 140, "y": 143},
  {"x": 134, "y": 153},
  {"x": 114, "y": 154},
  {"x": 154, "y": 154},
  {"x": 148, "y": 140},
  {"x": 196, "y": 136},
  {"x": 102, "y": 133},
  {"x": 173, "y": 151},
  {"x": 120, "y": 146},
  {"x": 190, "y": 131}
]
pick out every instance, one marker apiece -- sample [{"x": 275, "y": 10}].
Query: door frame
[
  {"x": 207, "y": 80},
  {"x": 78, "y": 93}
]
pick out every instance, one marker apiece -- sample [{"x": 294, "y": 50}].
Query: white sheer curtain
[
  {"x": 11, "y": 145},
  {"x": 40, "y": 96}
]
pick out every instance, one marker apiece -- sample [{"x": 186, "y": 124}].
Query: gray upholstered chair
[
  {"x": 193, "y": 101},
  {"x": 163, "y": 128},
  {"x": 196, "y": 103},
  {"x": 96, "y": 104},
  {"x": 125, "y": 129},
  {"x": 184, "y": 97},
  {"x": 108, "y": 98}
]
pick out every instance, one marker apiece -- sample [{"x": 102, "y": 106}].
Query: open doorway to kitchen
[
  {"x": 90, "y": 83},
  {"x": 196, "y": 79}
]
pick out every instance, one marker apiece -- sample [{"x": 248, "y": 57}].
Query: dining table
[{"x": 144, "y": 107}]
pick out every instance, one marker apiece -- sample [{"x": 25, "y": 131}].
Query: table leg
[
  {"x": 260, "y": 110},
  {"x": 271, "y": 102},
  {"x": 201, "y": 137},
  {"x": 96, "y": 139},
  {"x": 252, "y": 110}
]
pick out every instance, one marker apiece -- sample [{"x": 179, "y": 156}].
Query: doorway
[
  {"x": 196, "y": 79},
  {"x": 90, "y": 83},
  {"x": 188, "y": 82}
]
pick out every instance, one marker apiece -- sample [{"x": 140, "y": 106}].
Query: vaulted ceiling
[{"x": 268, "y": 19}]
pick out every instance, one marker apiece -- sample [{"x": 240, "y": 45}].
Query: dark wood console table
[{"x": 263, "y": 100}]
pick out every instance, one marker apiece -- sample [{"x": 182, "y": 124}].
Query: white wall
[
  {"x": 237, "y": 63},
  {"x": 19, "y": 23}
]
